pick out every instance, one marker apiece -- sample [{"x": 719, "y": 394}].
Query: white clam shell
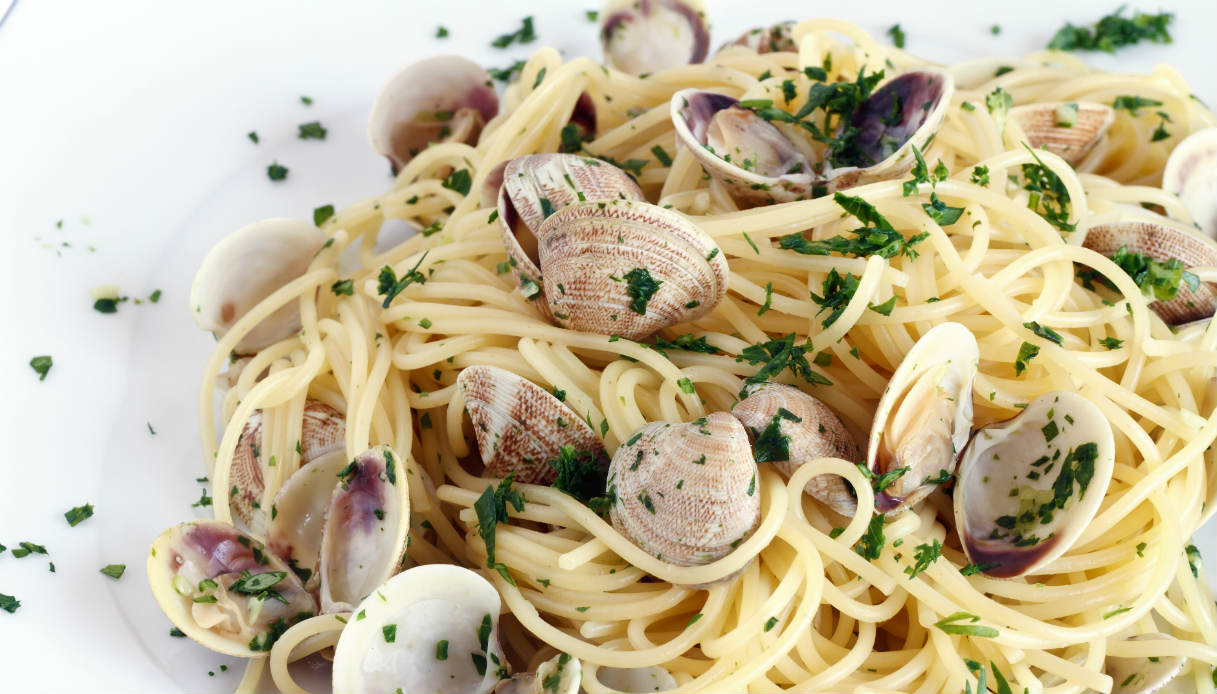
[
  {"x": 297, "y": 517},
  {"x": 424, "y": 605},
  {"x": 814, "y": 432},
  {"x": 776, "y": 38},
  {"x": 1067, "y": 129},
  {"x": 439, "y": 99},
  {"x": 566, "y": 668},
  {"x": 1191, "y": 173},
  {"x": 592, "y": 252},
  {"x": 519, "y": 425},
  {"x": 636, "y": 679},
  {"x": 1142, "y": 675},
  {"x": 688, "y": 494},
  {"x": 247, "y": 266},
  {"x": 643, "y": 36},
  {"x": 924, "y": 415},
  {"x": 363, "y": 541},
  {"x": 189, "y": 553},
  {"x": 1058, "y": 450}
]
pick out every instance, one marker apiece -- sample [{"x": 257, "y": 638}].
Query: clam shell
[
  {"x": 420, "y": 608},
  {"x": 695, "y": 116},
  {"x": 597, "y": 258},
  {"x": 1162, "y": 241},
  {"x": 565, "y": 667},
  {"x": 924, "y": 415},
  {"x": 322, "y": 431},
  {"x": 363, "y": 541},
  {"x": 923, "y": 97},
  {"x": 1068, "y": 130},
  {"x": 636, "y": 679},
  {"x": 686, "y": 493},
  {"x": 643, "y": 36},
  {"x": 519, "y": 425},
  {"x": 1030, "y": 485},
  {"x": 187, "y": 554},
  {"x": 297, "y": 516},
  {"x": 247, "y": 266},
  {"x": 811, "y": 431},
  {"x": 776, "y": 38},
  {"x": 1142, "y": 675},
  {"x": 446, "y": 98},
  {"x": 1191, "y": 173}
]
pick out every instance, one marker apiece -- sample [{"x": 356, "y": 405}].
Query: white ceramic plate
[{"x": 128, "y": 122}]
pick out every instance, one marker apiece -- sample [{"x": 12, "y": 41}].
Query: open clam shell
[
  {"x": 1067, "y": 129},
  {"x": 322, "y": 431},
  {"x": 924, "y": 415},
  {"x": 1029, "y": 486},
  {"x": 432, "y": 628},
  {"x": 686, "y": 493},
  {"x": 743, "y": 151},
  {"x": 776, "y": 38},
  {"x": 536, "y": 186},
  {"x": 363, "y": 541},
  {"x": 789, "y": 428},
  {"x": 1142, "y": 675},
  {"x": 520, "y": 426},
  {"x": 445, "y": 98},
  {"x": 643, "y": 36},
  {"x": 561, "y": 674},
  {"x": 247, "y": 266},
  {"x": 1163, "y": 241},
  {"x": 636, "y": 679},
  {"x": 628, "y": 268},
  {"x": 1191, "y": 173},
  {"x": 214, "y": 583},
  {"x": 297, "y": 516}
]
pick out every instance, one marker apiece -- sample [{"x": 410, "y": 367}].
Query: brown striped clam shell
[
  {"x": 628, "y": 268},
  {"x": 810, "y": 429},
  {"x": 536, "y": 186},
  {"x": 1191, "y": 173},
  {"x": 323, "y": 430},
  {"x": 1162, "y": 241},
  {"x": 1067, "y": 129},
  {"x": 688, "y": 494},
  {"x": 519, "y": 425}
]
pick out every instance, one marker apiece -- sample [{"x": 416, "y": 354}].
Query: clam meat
[
  {"x": 643, "y": 36},
  {"x": 777, "y": 38},
  {"x": 561, "y": 674}
]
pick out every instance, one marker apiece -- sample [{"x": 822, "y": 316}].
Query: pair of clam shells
[{"x": 594, "y": 257}]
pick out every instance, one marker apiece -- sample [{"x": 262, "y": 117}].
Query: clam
[
  {"x": 778, "y": 38},
  {"x": 322, "y": 431},
  {"x": 221, "y": 587},
  {"x": 363, "y": 541},
  {"x": 520, "y": 426},
  {"x": 643, "y": 36},
  {"x": 924, "y": 416},
  {"x": 745, "y": 152},
  {"x": 1191, "y": 173},
  {"x": 431, "y": 628},
  {"x": 1163, "y": 241},
  {"x": 789, "y": 428},
  {"x": 1067, "y": 129},
  {"x": 686, "y": 493},
  {"x": 561, "y": 674},
  {"x": 446, "y": 98},
  {"x": 636, "y": 679},
  {"x": 1029, "y": 486},
  {"x": 247, "y": 266},
  {"x": 628, "y": 268},
  {"x": 1147, "y": 675},
  {"x": 536, "y": 186},
  {"x": 297, "y": 516}
]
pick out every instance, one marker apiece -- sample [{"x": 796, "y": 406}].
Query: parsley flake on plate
[{"x": 41, "y": 366}]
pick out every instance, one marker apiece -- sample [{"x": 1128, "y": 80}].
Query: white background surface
[{"x": 127, "y": 121}]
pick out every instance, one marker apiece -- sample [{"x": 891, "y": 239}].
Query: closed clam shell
[
  {"x": 1145, "y": 676},
  {"x": 322, "y": 431},
  {"x": 784, "y": 419},
  {"x": 519, "y": 425},
  {"x": 363, "y": 541},
  {"x": 1191, "y": 173},
  {"x": 297, "y": 516},
  {"x": 192, "y": 568},
  {"x": 536, "y": 186},
  {"x": 628, "y": 268},
  {"x": 924, "y": 416},
  {"x": 1028, "y": 487},
  {"x": 643, "y": 36},
  {"x": 764, "y": 168},
  {"x": 1162, "y": 241},
  {"x": 687, "y": 494},
  {"x": 1067, "y": 129}
]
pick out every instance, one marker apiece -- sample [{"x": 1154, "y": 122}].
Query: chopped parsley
[
  {"x": 640, "y": 286},
  {"x": 924, "y": 555},
  {"x": 390, "y": 286},
  {"x": 253, "y": 136},
  {"x": 311, "y": 131},
  {"x": 897, "y": 35},
  {"x": 876, "y": 237},
  {"x": 1026, "y": 353},
  {"x": 491, "y": 509},
  {"x": 838, "y": 291},
  {"x": 525, "y": 34},
  {"x": 771, "y": 444},
  {"x": 1046, "y": 333},
  {"x": 1049, "y": 198},
  {"x": 1114, "y": 31},
  {"x": 1192, "y": 552},
  {"x": 768, "y": 299},
  {"x": 998, "y": 102},
  {"x": 9, "y": 603},
  {"x": 687, "y": 342},
  {"x": 778, "y": 355},
  {"x": 256, "y": 584},
  {"x": 343, "y": 288},
  {"x": 306, "y": 100},
  {"x": 980, "y": 175},
  {"x": 441, "y": 650},
  {"x": 686, "y": 386},
  {"x": 771, "y": 623},
  {"x": 973, "y": 569},
  {"x": 1133, "y": 104},
  {"x": 870, "y": 545},
  {"x": 78, "y": 515},
  {"x": 389, "y": 631},
  {"x": 951, "y": 625},
  {"x": 459, "y": 180},
  {"x": 41, "y": 366},
  {"x": 27, "y": 548},
  {"x": 1111, "y": 343},
  {"x": 321, "y": 214},
  {"x": 581, "y": 474},
  {"x": 661, "y": 155},
  {"x": 885, "y": 308},
  {"x": 114, "y": 571},
  {"x": 508, "y": 73},
  {"x": 441, "y": 32},
  {"x": 276, "y": 171},
  {"x": 940, "y": 212}
]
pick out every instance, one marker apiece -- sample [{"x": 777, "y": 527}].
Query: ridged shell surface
[
  {"x": 687, "y": 494},
  {"x": 628, "y": 268},
  {"x": 519, "y": 425},
  {"x": 1067, "y": 129}
]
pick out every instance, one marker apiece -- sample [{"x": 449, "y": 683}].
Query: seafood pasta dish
[{"x": 797, "y": 364}]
